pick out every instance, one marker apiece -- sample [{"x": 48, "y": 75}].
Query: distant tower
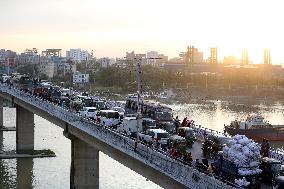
[
  {"x": 267, "y": 57},
  {"x": 189, "y": 56},
  {"x": 213, "y": 55},
  {"x": 245, "y": 58}
]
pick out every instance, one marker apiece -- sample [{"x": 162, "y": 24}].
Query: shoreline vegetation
[
  {"x": 45, "y": 152},
  {"x": 196, "y": 94},
  {"x": 116, "y": 82}
]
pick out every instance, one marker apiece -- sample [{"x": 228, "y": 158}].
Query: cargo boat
[{"x": 256, "y": 128}]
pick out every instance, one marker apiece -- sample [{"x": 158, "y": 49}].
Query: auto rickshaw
[
  {"x": 168, "y": 126},
  {"x": 178, "y": 142},
  {"x": 189, "y": 135},
  {"x": 279, "y": 182},
  {"x": 271, "y": 168},
  {"x": 213, "y": 144}
]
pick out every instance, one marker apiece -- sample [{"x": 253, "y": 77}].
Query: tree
[{"x": 28, "y": 69}]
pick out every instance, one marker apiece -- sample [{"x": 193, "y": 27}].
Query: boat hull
[{"x": 271, "y": 134}]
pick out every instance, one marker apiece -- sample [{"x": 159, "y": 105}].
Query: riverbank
[
  {"x": 237, "y": 94},
  {"x": 34, "y": 154},
  {"x": 199, "y": 94}
]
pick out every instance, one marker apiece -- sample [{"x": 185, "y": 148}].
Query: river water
[{"x": 45, "y": 173}]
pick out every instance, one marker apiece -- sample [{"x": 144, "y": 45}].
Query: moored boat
[{"x": 256, "y": 128}]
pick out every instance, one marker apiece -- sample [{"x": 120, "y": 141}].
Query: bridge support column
[
  {"x": 1, "y": 112},
  {"x": 84, "y": 172},
  {"x": 25, "y": 130}
]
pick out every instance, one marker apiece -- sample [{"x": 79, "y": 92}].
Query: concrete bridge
[{"x": 88, "y": 138}]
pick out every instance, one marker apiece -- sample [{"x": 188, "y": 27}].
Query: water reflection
[
  {"x": 1, "y": 141},
  {"x": 214, "y": 114},
  {"x": 25, "y": 173},
  {"x": 7, "y": 176},
  {"x": 55, "y": 172}
]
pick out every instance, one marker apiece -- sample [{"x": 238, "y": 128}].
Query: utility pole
[
  {"x": 138, "y": 74},
  {"x": 8, "y": 63},
  {"x": 138, "y": 78}
]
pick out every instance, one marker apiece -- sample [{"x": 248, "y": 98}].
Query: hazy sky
[{"x": 112, "y": 27}]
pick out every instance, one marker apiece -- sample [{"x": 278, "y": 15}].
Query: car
[
  {"x": 155, "y": 136},
  {"x": 120, "y": 110},
  {"x": 89, "y": 112},
  {"x": 169, "y": 126}
]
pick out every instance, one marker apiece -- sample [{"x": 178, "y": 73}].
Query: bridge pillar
[
  {"x": 1, "y": 112},
  {"x": 84, "y": 172},
  {"x": 24, "y": 130}
]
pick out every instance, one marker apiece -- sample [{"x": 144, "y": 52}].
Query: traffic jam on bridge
[{"x": 237, "y": 160}]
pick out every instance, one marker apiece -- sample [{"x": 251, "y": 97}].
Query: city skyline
[{"x": 111, "y": 28}]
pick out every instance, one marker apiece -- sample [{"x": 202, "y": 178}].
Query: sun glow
[{"x": 113, "y": 27}]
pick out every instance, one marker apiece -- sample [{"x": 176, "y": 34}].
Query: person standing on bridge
[
  {"x": 184, "y": 122},
  {"x": 135, "y": 145},
  {"x": 176, "y": 122},
  {"x": 265, "y": 148}
]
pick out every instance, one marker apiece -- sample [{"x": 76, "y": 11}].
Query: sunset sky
[{"x": 112, "y": 27}]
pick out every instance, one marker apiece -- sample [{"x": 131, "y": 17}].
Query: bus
[{"x": 156, "y": 111}]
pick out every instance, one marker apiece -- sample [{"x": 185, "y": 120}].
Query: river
[{"x": 45, "y": 173}]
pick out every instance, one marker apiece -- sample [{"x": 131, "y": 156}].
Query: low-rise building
[
  {"x": 106, "y": 62},
  {"x": 79, "y": 78},
  {"x": 47, "y": 68},
  {"x": 78, "y": 55}
]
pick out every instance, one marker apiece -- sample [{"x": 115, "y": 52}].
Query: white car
[
  {"x": 155, "y": 135},
  {"x": 120, "y": 110},
  {"x": 89, "y": 112}
]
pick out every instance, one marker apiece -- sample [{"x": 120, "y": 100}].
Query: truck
[{"x": 270, "y": 167}]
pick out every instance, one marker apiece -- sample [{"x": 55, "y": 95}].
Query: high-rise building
[
  {"x": 213, "y": 59},
  {"x": 245, "y": 57},
  {"x": 192, "y": 56},
  {"x": 267, "y": 57}
]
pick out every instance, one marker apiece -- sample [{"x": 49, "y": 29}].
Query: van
[
  {"x": 89, "y": 112},
  {"x": 109, "y": 117}
]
